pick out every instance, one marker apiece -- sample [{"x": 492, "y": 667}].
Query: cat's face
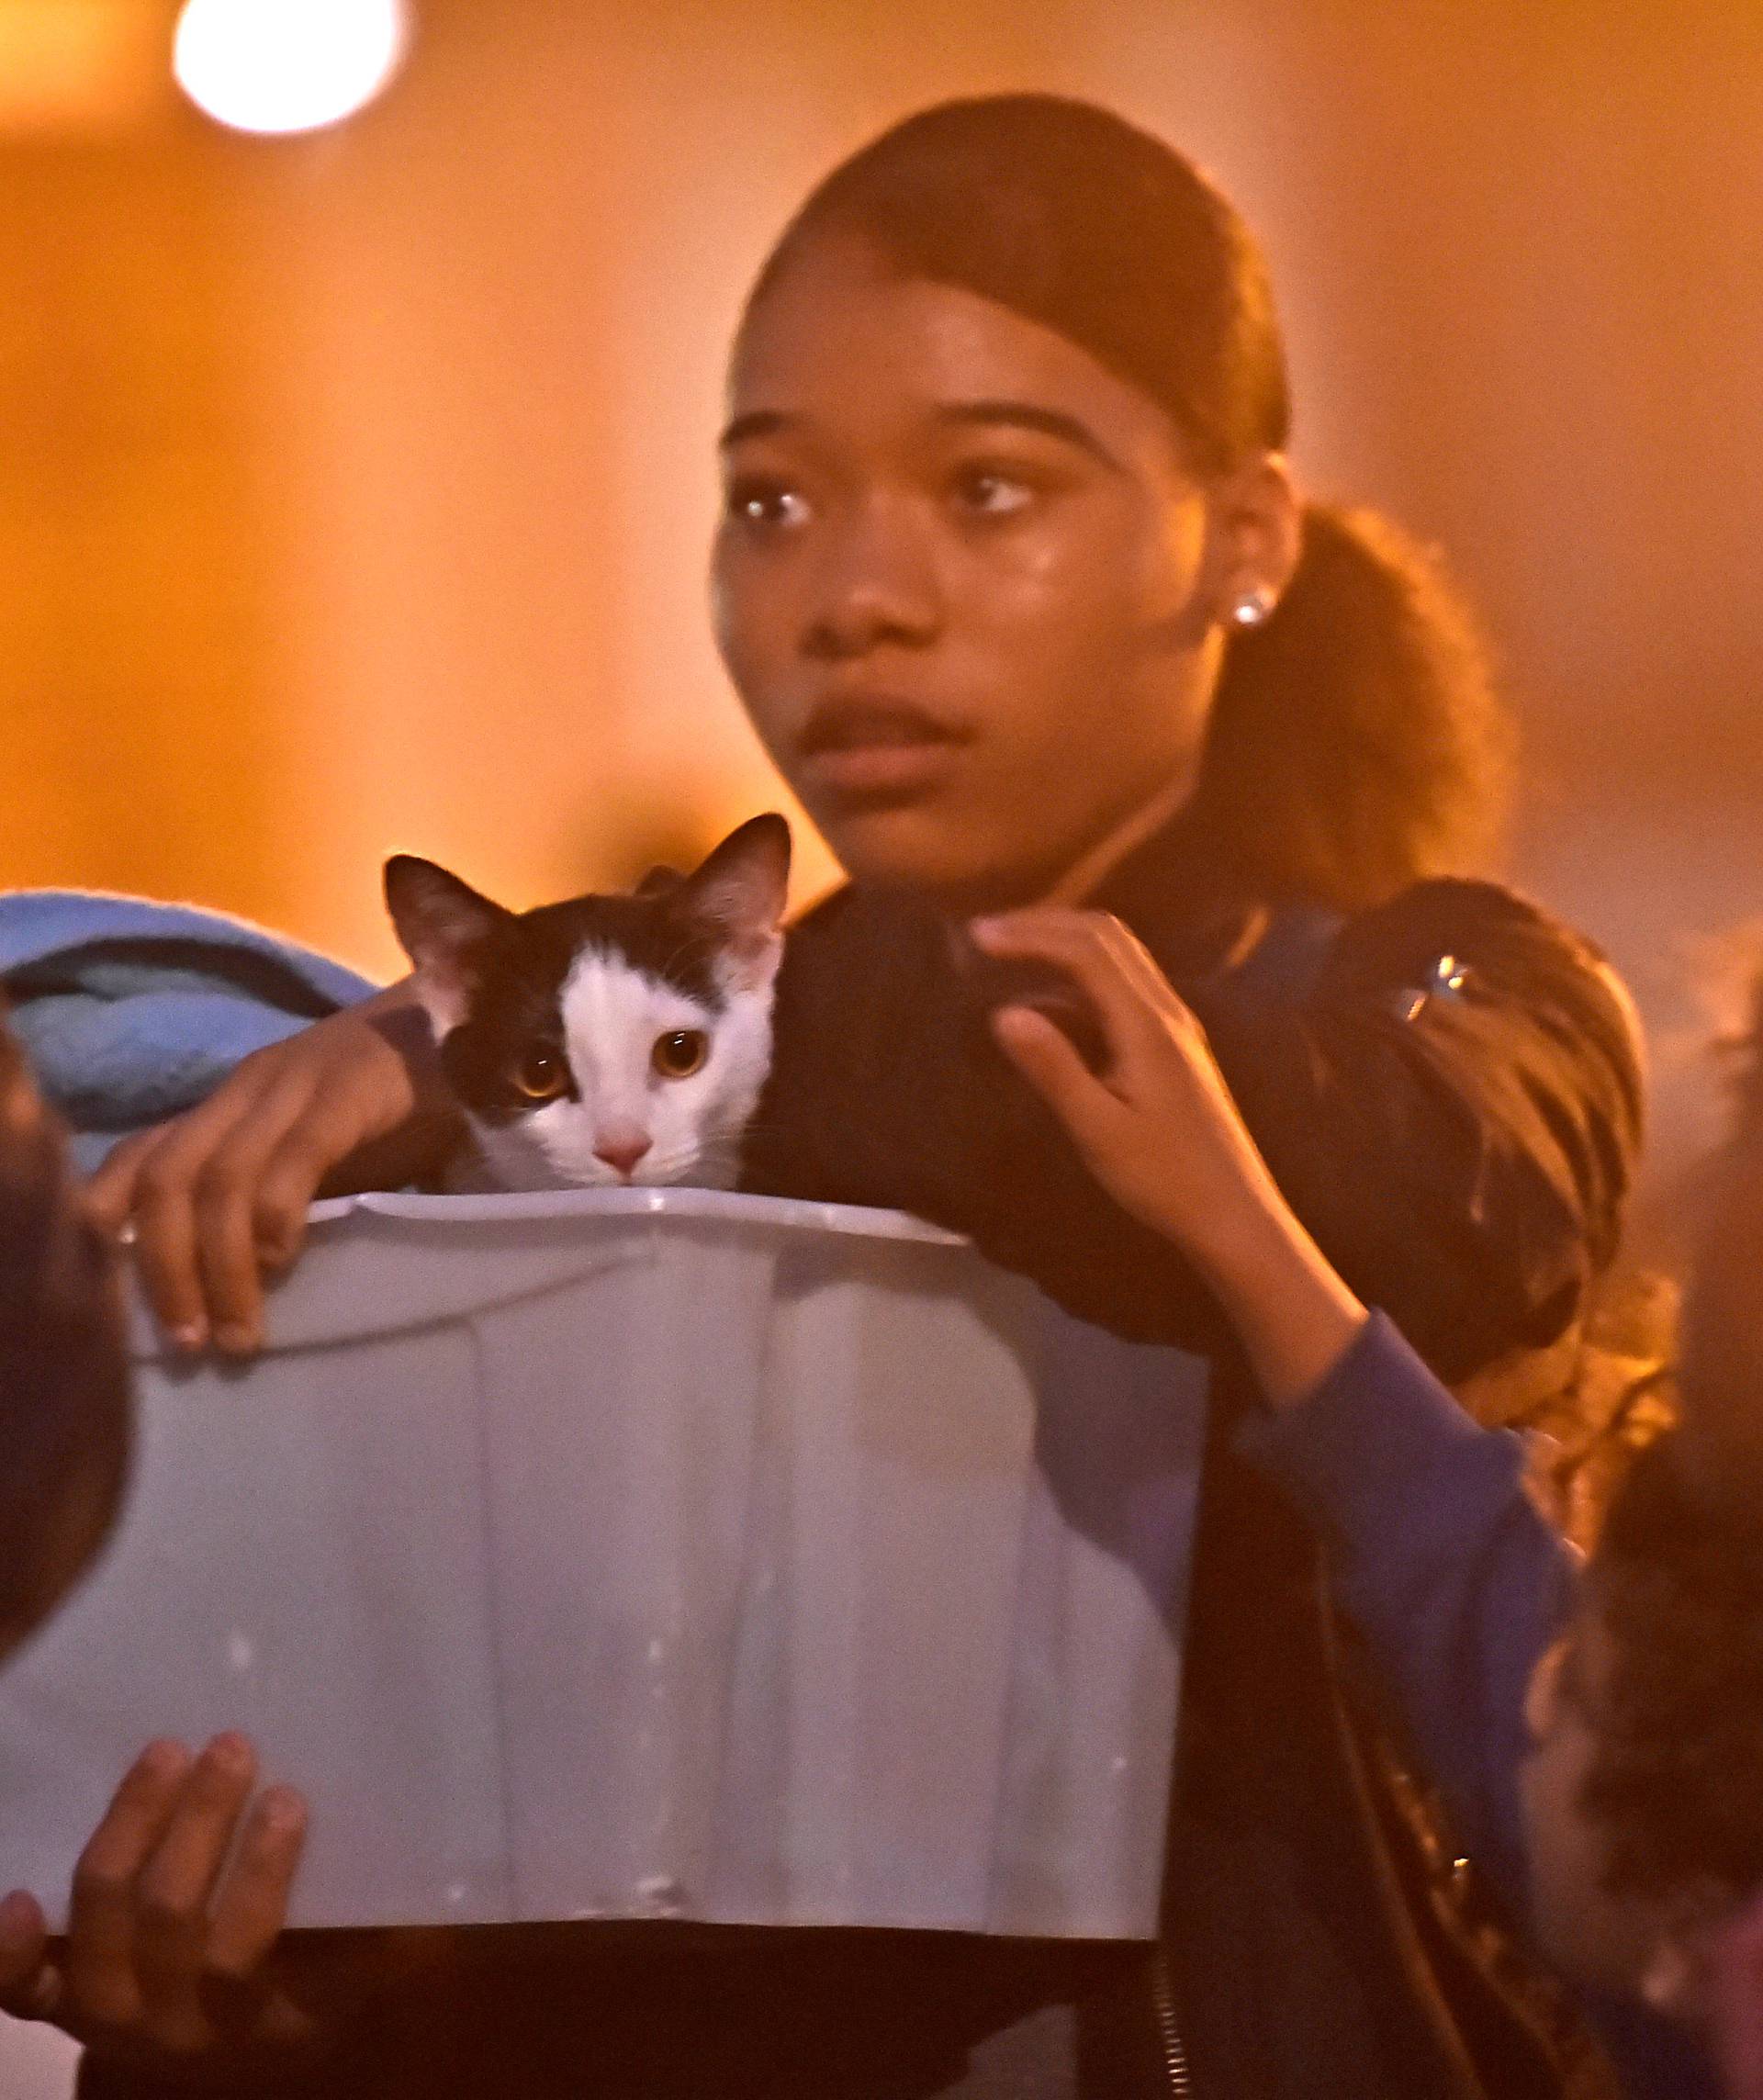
[{"x": 608, "y": 1040}]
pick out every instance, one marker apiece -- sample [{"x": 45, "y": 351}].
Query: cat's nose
[{"x": 623, "y": 1153}]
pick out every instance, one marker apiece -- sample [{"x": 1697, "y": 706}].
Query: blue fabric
[
  {"x": 1459, "y": 1585},
  {"x": 131, "y": 1011},
  {"x": 1437, "y": 1556}
]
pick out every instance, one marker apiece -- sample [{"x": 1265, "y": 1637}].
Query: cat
[{"x": 609, "y": 1040}]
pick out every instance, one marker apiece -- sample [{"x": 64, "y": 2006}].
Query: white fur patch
[{"x": 613, "y": 1015}]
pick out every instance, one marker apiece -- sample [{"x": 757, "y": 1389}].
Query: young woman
[{"x": 1014, "y": 584}]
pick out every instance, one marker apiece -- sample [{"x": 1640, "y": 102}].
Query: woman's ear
[{"x": 1257, "y": 538}]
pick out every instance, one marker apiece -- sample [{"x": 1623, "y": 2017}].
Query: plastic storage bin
[{"x": 651, "y": 1553}]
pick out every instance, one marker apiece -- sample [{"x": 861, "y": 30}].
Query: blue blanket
[{"x": 131, "y": 1011}]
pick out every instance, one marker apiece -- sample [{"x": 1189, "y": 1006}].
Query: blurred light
[
  {"x": 77, "y": 63},
  {"x": 286, "y": 65}
]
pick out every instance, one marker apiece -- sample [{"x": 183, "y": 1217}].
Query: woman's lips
[
  {"x": 868, "y": 771},
  {"x": 874, "y": 750}
]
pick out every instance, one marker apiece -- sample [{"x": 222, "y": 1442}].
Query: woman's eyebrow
[
  {"x": 1030, "y": 416},
  {"x": 992, "y": 415},
  {"x": 756, "y": 423}
]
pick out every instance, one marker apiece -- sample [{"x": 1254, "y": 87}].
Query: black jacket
[{"x": 1446, "y": 1087}]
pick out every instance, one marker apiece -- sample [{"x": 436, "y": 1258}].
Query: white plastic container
[{"x": 651, "y": 1553}]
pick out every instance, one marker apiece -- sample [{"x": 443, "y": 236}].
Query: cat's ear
[
  {"x": 739, "y": 894},
  {"x": 659, "y": 881},
  {"x": 441, "y": 923}
]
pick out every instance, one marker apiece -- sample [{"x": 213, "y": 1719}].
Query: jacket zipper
[{"x": 1163, "y": 1992}]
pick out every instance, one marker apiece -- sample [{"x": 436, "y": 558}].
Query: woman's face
[{"x": 964, "y": 583}]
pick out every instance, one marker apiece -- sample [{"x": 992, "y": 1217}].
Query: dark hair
[
  {"x": 1355, "y": 741},
  {"x": 64, "y": 1409},
  {"x": 1675, "y": 1778}
]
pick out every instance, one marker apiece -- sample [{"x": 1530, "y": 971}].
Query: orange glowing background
[{"x": 356, "y": 486}]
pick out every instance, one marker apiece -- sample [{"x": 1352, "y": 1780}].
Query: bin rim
[{"x": 788, "y": 1213}]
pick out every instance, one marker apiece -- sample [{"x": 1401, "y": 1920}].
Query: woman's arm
[
  {"x": 1157, "y": 1128},
  {"x": 1435, "y": 1553}
]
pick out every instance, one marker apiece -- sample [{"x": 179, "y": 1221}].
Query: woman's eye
[
  {"x": 542, "y": 1075},
  {"x": 769, "y": 505},
  {"x": 680, "y": 1054},
  {"x": 991, "y": 493}
]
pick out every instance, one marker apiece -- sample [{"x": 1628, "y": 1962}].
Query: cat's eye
[
  {"x": 542, "y": 1075},
  {"x": 680, "y": 1054}
]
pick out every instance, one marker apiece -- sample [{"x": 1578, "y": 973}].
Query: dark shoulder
[
  {"x": 1478, "y": 923},
  {"x": 1484, "y": 944},
  {"x": 859, "y": 926}
]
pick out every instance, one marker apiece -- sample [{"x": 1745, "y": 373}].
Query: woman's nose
[{"x": 875, "y": 583}]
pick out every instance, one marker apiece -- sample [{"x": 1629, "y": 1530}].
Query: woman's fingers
[
  {"x": 164, "y": 1248},
  {"x": 175, "y": 1885},
  {"x": 219, "y": 1196},
  {"x": 157, "y": 1913},
  {"x": 1048, "y": 1060},
  {"x": 234, "y": 1212},
  {"x": 109, "y": 1196},
  {"x": 1132, "y": 998},
  {"x": 252, "y": 1905},
  {"x": 29, "y": 1984},
  {"x": 152, "y": 1183},
  {"x": 102, "y": 1981},
  {"x": 166, "y": 1939}
]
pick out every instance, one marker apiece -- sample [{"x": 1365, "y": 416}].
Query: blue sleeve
[
  {"x": 1438, "y": 1558},
  {"x": 131, "y": 1011}
]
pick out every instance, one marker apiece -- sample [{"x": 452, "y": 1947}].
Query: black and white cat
[{"x": 610, "y": 1039}]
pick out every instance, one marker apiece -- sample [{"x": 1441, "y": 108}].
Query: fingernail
[
  {"x": 230, "y": 1754},
  {"x": 164, "y": 1759},
  {"x": 982, "y": 929},
  {"x": 283, "y": 1810},
  {"x": 190, "y": 1337}
]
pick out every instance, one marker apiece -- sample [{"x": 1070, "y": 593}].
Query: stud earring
[{"x": 1252, "y": 609}]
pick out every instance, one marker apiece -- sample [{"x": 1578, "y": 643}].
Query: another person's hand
[
  {"x": 1159, "y": 1129},
  {"x": 169, "y": 1926},
  {"x": 216, "y": 1199}
]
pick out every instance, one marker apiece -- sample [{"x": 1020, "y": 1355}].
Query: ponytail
[{"x": 1356, "y": 744}]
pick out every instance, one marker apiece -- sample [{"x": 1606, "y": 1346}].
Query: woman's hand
[
  {"x": 1159, "y": 1129},
  {"x": 169, "y": 1926},
  {"x": 219, "y": 1196}
]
